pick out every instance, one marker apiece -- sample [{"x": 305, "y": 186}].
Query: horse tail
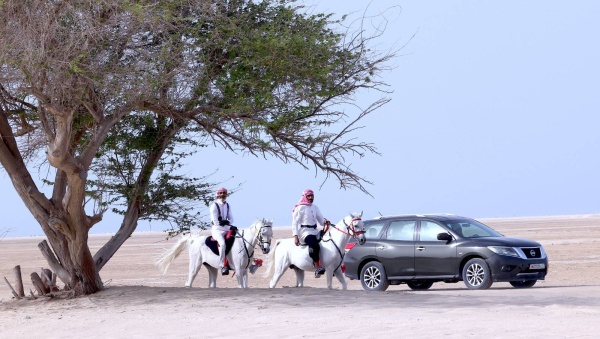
[
  {"x": 271, "y": 259},
  {"x": 165, "y": 260}
]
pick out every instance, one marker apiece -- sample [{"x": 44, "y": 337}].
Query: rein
[
  {"x": 248, "y": 254},
  {"x": 348, "y": 228},
  {"x": 353, "y": 234},
  {"x": 244, "y": 241}
]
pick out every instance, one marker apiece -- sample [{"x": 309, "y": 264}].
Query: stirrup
[
  {"x": 319, "y": 272},
  {"x": 256, "y": 263},
  {"x": 225, "y": 270}
]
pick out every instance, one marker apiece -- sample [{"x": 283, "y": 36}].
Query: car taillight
[{"x": 349, "y": 246}]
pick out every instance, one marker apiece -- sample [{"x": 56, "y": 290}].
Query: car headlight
[{"x": 503, "y": 250}]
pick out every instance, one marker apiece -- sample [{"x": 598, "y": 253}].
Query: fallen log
[
  {"x": 18, "y": 281},
  {"x": 61, "y": 272},
  {"x": 38, "y": 284},
  {"x": 61, "y": 294},
  {"x": 46, "y": 276},
  {"x": 12, "y": 289}
]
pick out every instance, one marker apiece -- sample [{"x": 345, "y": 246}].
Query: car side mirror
[{"x": 444, "y": 236}]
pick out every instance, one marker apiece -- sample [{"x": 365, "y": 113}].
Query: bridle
[
  {"x": 351, "y": 229},
  {"x": 262, "y": 240}
]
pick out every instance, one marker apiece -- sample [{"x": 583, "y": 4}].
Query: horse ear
[{"x": 361, "y": 212}]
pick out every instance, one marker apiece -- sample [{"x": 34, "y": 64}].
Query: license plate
[{"x": 537, "y": 266}]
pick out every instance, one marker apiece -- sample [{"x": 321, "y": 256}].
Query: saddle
[
  {"x": 214, "y": 245},
  {"x": 319, "y": 239}
]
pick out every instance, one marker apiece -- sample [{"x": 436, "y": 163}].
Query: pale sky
[{"x": 494, "y": 114}]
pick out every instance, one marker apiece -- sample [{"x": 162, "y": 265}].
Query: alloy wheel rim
[
  {"x": 372, "y": 277},
  {"x": 475, "y": 274}
]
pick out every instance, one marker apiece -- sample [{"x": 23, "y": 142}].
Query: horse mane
[
  {"x": 260, "y": 222},
  {"x": 352, "y": 215},
  {"x": 255, "y": 225}
]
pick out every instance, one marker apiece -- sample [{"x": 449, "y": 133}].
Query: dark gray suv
[{"x": 419, "y": 250}]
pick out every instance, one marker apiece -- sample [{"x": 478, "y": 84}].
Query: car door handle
[
  {"x": 381, "y": 247},
  {"x": 420, "y": 248}
]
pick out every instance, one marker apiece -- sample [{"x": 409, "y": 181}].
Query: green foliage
[
  {"x": 166, "y": 78},
  {"x": 169, "y": 196}
]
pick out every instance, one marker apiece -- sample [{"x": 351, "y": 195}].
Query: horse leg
[
  {"x": 243, "y": 278},
  {"x": 239, "y": 273},
  {"x": 340, "y": 276},
  {"x": 195, "y": 263},
  {"x": 279, "y": 270},
  {"x": 212, "y": 276},
  {"x": 299, "y": 277},
  {"x": 275, "y": 278},
  {"x": 329, "y": 276}
]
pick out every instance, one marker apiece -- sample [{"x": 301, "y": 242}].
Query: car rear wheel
[
  {"x": 373, "y": 277},
  {"x": 477, "y": 274},
  {"x": 522, "y": 283},
  {"x": 419, "y": 285}
]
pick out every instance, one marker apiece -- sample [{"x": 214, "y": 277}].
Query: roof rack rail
[{"x": 413, "y": 215}]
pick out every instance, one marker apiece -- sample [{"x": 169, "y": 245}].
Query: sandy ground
[{"x": 141, "y": 302}]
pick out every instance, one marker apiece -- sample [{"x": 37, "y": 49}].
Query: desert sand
[{"x": 138, "y": 301}]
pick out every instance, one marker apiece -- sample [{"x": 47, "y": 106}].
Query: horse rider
[
  {"x": 221, "y": 217},
  {"x": 305, "y": 217}
]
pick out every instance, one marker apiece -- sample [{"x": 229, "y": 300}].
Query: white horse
[
  {"x": 240, "y": 256},
  {"x": 285, "y": 254}
]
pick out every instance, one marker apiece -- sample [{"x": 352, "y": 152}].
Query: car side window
[
  {"x": 372, "y": 231},
  {"x": 401, "y": 230},
  {"x": 430, "y": 230}
]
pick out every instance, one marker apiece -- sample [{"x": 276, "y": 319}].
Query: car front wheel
[
  {"x": 522, "y": 283},
  {"x": 373, "y": 277},
  {"x": 419, "y": 285},
  {"x": 477, "y": 274}
]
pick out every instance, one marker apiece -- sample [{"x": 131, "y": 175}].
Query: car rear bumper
[
  {"x": 351, "y": 276},
  {"x": 351, "y": 269}
]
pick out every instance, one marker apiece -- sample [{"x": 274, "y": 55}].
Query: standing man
[
  {"x": 305, "y": 217},
  {"x": 221, "y": 217}
]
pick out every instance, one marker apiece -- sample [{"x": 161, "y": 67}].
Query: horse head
[
  {"x": 265, "y": 234},
  {"x": 356, "y": 227}
]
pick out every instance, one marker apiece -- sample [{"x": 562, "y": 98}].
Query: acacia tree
[{"x": 110, "y": 91}]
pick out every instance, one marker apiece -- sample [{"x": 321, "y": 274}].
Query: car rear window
[
  {"x": 373, "y": 230},
  {"x": 401, "y": 230}
]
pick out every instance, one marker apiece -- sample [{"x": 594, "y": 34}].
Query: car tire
[
  {"x": 522, "y": 283},
  {"x": 419, "y": 285},
  {"x": 373, "y": 277},
  {"x": 477, "y": 275}
]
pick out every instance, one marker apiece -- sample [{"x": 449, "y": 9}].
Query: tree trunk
[
  {"x": 110, "y": 248},
  {"x": 84, "y": 275}
]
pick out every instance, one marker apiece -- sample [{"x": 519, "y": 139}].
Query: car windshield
[{"x": 471, "y": 228}]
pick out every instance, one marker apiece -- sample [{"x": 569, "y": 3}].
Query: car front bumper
[{"x": 514, "y": 269}]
